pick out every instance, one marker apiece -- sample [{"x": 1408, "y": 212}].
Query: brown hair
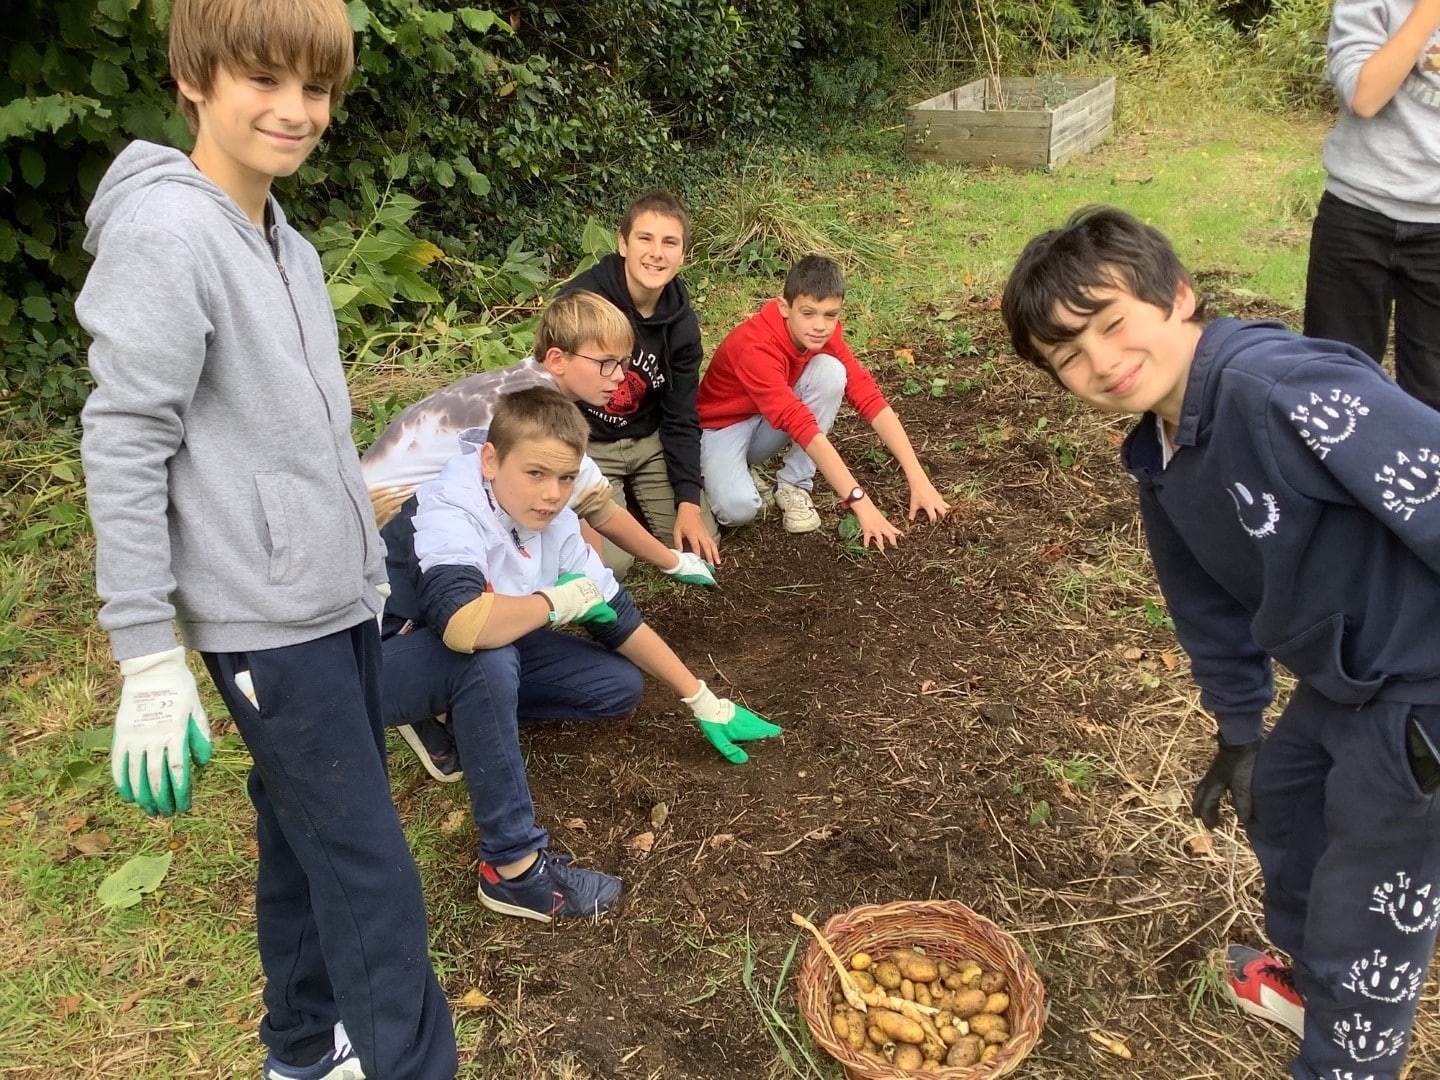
[
  {"x": 660, "y": 202},
  {"x": 311, "y": 37},
  {"x": 537, "y": 412},
  {"x": 581, "y": 318}
]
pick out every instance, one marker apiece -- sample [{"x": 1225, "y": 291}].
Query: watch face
[{"x": 855, "y": 496}]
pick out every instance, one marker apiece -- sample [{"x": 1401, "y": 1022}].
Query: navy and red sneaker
[
  {"x": 434, "y": 746},
  {"x": 1265, "y": 988},
  {"x": 551, "y": 889}
]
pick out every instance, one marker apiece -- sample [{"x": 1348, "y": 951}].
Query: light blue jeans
[{"x": 727, "y": 453}]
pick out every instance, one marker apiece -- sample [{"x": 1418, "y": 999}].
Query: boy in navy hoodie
[
  {"x": 1289, "y": 494},
  {"x": 226, "y": 495},
  {"x": 646, "y": 438}
]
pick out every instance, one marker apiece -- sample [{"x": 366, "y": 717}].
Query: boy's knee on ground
[{"x": 733, "y": 509}]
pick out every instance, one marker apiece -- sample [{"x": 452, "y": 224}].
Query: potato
[
  {"x": 860, "y": 961},
  {"x": 972, "y": 976},
  {"x": 907, "y": 990},
  {"x": 997, "y": 1002},
  {"x": 948, "y": 1034},
  {"x": 944, "y": 1018},
  {"x": 908, "y": 1057},
  {"x": 887, "y": 974},
  {"x": 936, "y": 988},
  {"x": 915, "y": 967},
  {"x": 965, "y": 1052},
  {"x": 864, "y": 980},
  {"x": 857, "y": 1034},
  {"x": 922, "y": 995},
  {"x": 837, "y": 998},
  {"x": 953, "y": 981},
  {"x": 991, "y": 1028},
  {"x": 944, "y": 968},
  {"x": 877, "y": 1037},
  {"x": 840, "y": 1024},
  {"x": 992, "y": 982},
  {"x": 988, "y": 1053},
  {"x": 968, "y": 1003},
  {"x": 932, "y": 1048},
  {"x": 930, "y": 1063},
  {"x": 898, "y": 1028}
]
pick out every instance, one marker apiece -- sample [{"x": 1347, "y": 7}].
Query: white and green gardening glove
[
  {"x": 159, "y": 730},
  {"x": 724, "y": 723},
  {"x": 575, "y": 598},
  {"x": 692, "y": 570}
]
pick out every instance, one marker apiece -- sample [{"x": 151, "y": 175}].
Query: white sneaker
[{"x": 799, "y": 511}]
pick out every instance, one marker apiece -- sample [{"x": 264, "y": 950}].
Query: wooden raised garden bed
[{"x": 1022, "y": 123}]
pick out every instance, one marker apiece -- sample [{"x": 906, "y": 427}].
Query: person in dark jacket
[
  {"x": 647, "y": 438},
  {"x": 1288, "y": 489}
]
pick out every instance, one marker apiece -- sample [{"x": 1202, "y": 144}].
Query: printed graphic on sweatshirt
[
  {"x": 1412, "y": 908},
  {"x": 1410, "y": 481},
  {"x": 1349, "y": 1074},
  {"x": 1327, "y": 419},
  {"x": 1423, "y": 83},
  {"x": 645, "y": 372},
  {"x": 1358, "y": 1038},
  {"x": 1373, "y": 977},
  {"x": 1259, "y": 518}
]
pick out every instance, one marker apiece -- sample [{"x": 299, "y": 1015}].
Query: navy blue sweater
[{"x": 1299, "y": 520}]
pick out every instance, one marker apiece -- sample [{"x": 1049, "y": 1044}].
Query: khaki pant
[{"x": 639, "y": 466}]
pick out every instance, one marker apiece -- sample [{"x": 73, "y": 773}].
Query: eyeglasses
[{"x": 609, "y": 365}]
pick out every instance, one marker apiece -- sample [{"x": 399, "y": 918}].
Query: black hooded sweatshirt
[{"x": 658, "y": 393}]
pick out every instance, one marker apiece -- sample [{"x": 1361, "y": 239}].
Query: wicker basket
[{"x": 946, "y": 930}]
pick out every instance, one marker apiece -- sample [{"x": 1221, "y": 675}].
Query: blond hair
[
  {"x": 581, "y": 319},
  {"x": 310, "y": 37},
  {"x": 537, "y": 412}
]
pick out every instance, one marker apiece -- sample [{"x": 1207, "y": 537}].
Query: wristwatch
[{"x": 850, "y": 500}]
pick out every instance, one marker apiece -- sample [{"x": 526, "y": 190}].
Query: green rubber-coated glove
[
  {"x": 692, "y": 570},
  {"x": 159, "y": 729},
  {"x": 724, "y": 723},
  {"x": 575, "y": 598}
]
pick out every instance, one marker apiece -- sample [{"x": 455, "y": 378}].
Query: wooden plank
[{"x": 1027, "y": 120}]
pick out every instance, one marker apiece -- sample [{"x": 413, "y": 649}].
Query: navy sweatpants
[
  {"x": 338, "y": 907},
  {"x": 1349, "y": 847},
  {"x": 543, "y": 675}
]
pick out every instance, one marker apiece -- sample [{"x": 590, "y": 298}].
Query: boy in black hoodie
[
  {"x": 1289, "y": 493},
  {"x": 647, "y": 439}
]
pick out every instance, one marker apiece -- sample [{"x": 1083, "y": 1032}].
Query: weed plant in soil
[{"x": 995, "y": 711}]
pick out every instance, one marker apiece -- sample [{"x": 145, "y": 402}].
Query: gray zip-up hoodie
[
  {"x": 223, "y": 483},
  {"x": 1389, "y": 163}
]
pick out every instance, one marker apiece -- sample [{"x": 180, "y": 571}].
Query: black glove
[{"x": 1231, "y": 771}]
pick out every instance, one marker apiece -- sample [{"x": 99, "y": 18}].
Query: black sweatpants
[{"x": 338, "y": 907}]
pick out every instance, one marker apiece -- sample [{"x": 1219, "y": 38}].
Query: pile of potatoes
[{"x": 922, "y": 1013}]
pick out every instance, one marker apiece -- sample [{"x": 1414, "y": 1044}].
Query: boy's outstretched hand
[
  {"x": 575, "y": 598},
  {"x": 691, "y": 570},
  {"x": 724, "y": 723},
  {"x": 1232, "y": 771},
  {"x": 159, "y": 728},
  {"x": 874, "y": 526},
  {"x": 924, "y": 496}
]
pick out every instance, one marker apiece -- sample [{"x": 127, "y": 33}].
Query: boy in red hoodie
[{"x": 777, "y": 379}]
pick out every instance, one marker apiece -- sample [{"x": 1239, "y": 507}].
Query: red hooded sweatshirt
[{"x": 755, "y": 369}]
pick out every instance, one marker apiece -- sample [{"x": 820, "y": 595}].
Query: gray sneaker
[{"x": 799, "y": 512}]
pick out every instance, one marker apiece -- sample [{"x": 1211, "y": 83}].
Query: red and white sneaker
[{"x": 1265, "y": 988}]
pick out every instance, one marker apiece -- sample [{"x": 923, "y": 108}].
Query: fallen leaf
[
  {"x": 34, "y": 677},
  {"x": 1199, "y": 846},
  {"x": 252, "y": 850},
  {"x": 140, "y": 875},
  {"x": 1168, "y": 659},
  {"x": 76, "y": 823},
  {"x": 129, "y": 1002},
  {"x": 474, "y": 999},
  {"x": 1111, "y": 1043},
  {"x": 927, "y": 686},
  {"x": 967, "y": 277},
  {"x": 1115, "y": 438},
  {"x": 91, "y": 843},
  {"x": 643, "y": 844},
  {"x": 721, "y": 838},
  {"x": 659, "y": 813},
  {"x": 67, "y": 1006},
  {"x": 905, "y": 356},
  {"x": 452, "y": 821},
  {"x": 1134, "y": 654},
  {"x": 577, "y": 823},
  {"x": 1053, "y": 553},
  {"x": 993, "y": 304},
  {"x": 1089, "y": 727}
]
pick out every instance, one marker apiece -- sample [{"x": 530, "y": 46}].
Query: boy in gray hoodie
[
  {"x": 226, "y": 496},
  {"x": 1376, "y": 240}
]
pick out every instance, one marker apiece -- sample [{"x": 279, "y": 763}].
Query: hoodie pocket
[
  {"x": 1317, "y": 657},
  {"x": 307, "y": 537}
]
